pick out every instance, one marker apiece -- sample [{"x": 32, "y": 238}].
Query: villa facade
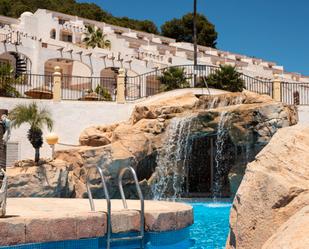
[{"x": 37, "y": 42}]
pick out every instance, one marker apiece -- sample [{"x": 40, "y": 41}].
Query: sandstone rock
[
  {"x": 47, "y": 180},
  {"x": 97, "y": 136},
  {"x": 252, "y": 121},
  {"x": 275, "y": 187},
  {"x": 293, "y": 234}
]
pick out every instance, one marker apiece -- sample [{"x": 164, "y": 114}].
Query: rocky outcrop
[
  {"x": 270, "y": 209},
  {"x": 293, "y": 234},
  {"x": 49, "y": 179},
  {"x": 252, "y": 121}
]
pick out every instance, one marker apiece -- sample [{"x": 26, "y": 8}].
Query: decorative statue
[
  {"x": 6, "y": 122},
  {"x": 3, "y": 193}
]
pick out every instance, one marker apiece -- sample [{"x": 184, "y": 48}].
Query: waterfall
[
  {"x": 219, "y": 158},
  {"x": 218, "y": 102},
  {"x": 172, "y": 159}
]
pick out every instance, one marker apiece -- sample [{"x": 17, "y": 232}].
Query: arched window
[{"x": 53, "y": 34}]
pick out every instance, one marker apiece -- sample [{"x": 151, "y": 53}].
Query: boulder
[
  {"x": 270, "y": 209},
  {"x": 97, "y": 135},
  {"x": 251, "y": 121},
  {"x": 47, "y": 180},
  {"x": 293, "y": 234}
]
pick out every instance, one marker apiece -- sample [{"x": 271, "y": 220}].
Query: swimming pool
[
  {"x": 211, "y": 225},
  {"x": 210, "y": 228},
  {"x": 209, "y": 231}
]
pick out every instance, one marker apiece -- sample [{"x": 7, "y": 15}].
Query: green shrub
[
  {"x": 173, "y": 78},
  {"x": 7, "y": 81},
  {"x": 226, "y": 78},
  {"x": 103, "y": 93}
]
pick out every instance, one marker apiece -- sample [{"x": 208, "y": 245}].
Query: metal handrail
[
  {"x": 108, "y": 201},
  {"x": 140, "y": 194}
]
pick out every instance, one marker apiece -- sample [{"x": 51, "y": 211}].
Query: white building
[
  {"x": 36, "y": 43},
  {"x": 46, "y": 38}
]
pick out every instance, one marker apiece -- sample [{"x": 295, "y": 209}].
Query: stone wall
[{"x": 70, "y": 118}]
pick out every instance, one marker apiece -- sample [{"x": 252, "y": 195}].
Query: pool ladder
[{"x": 109, "y": 238}]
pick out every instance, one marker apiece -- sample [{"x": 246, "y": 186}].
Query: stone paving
[{"x": 50, "y": 219}]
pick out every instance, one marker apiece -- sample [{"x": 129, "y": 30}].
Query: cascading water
[
  {"x": 218, "y": 102},
  {"x": 172, "y": 159},
  {"x": 221, "y": 137}
]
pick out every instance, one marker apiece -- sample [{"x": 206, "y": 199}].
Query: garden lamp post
[
  {"x": 52, "y": 140},
  {"x": 195, "y": 40}
]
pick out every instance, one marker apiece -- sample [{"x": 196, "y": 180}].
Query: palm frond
[
  {"x": 94, "y": 37},
  {"x": 31, "y": 114}
]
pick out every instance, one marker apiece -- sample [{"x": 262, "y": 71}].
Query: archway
[
  {"x": 108, "y": 81},
  {"x": 68, "y": 67},
  {"x": 20, "y": 63},
  {"x": 76, "y": 77}
]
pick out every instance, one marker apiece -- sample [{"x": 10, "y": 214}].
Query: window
[
  {"x": 66, "y": 36},
  {"x": 53, "y": 34},
  {"x": 61, "y": 21}
]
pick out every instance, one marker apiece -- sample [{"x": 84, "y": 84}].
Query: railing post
[
  {"x": 276, "y": 88},
  {"x": 57, "y": 84},
  {"x": 120, "y": 97}
]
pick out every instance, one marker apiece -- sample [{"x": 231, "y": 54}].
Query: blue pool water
[
  {"x": 210, "y": 228},
  {"x": 209, "y": 231},
  {"x": 211, "y": 225}
]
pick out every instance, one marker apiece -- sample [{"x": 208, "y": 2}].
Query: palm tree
[
  {"x": 226, "y": 78},
  {"x": 36, "y": 118},
  {"x": 173, "y": 78},
  {"x": 96, "y": 38}
]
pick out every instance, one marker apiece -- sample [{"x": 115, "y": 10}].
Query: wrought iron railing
[
  {"x": 296, "y": 93},
  {"x": 258, "y": 85},
  {"x": 11, "y": 37},
  {"x": 35, "y": 86},
  {"x": 149, "y": 84},
  {"x": 88, "y": 88},
  {"x": 39, "y": 86}
]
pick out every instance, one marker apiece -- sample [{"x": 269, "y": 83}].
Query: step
[{"x": 126, "y": 238}]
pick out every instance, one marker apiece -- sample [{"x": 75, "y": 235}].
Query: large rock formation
[
  {"x": 251, "y": 120},
  {"x": 270, "y": 209},
  {"x": 49, "y": 179}
]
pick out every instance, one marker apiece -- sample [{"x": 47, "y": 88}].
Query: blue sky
[{"x": 275, "y": 30}]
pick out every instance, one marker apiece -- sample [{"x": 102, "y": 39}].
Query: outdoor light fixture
[{"x": 52, "y": 140}]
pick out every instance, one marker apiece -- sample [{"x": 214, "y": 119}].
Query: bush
[
  {"x": 173, "y": 78},
  {"x": 103, "y": 93},
  {"x": 7, "y": 82},
  {"x": 226, "y": 78}
]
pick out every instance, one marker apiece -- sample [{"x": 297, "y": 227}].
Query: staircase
[{"x": 21, "y": 63}]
